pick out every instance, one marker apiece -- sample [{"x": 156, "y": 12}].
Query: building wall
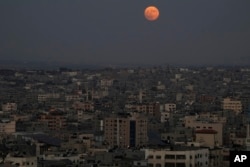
[
  {"x": 177, "y": 158},
  {"x": 234, "y": 105},
  {"x": 215, "y": 158},
  {"x": 170, "y": 107},
  {"x": 208, "y": 140},
  {"x": 8, "y": 127},
  {"x": 9, "y": 107},
  {"x": 116, "y": 131},
  {"x": 125, "y": 131},
  {"x": 85, "y": 106},
  {"x": 23, "y": 161},
  {"x": 54, "y": 122},
  {"x": 190, "y": 122}
]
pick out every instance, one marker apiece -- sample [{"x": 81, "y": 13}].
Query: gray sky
[{"x": 189, "y": 32}]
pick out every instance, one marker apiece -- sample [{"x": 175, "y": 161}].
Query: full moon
[{"x": 151, "y": 13}]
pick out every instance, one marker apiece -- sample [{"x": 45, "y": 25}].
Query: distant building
[
  {"x": 194, "y": 122},
  {"x": 72, "y": 97},
  {"x": 55, "y": 121},
  {"x": 22, "y": 161},
  {"x": 177, "y": 157},
  {"x": 230, "y": 104},
  {"x": 7, "y": 126},
  {"x": 125, "y": 130},
  {"x": 151, "y": 109},
  {"x": 106, "y": 82},
  {"x": 208, "y": 137},
  {"x": 166, "y": 110},
  {"x": 84, "y": 115},
  {"x": 85, "y": 106},
  {"x": 9, "y": 107},
  {"x": 46, "y": 96}
]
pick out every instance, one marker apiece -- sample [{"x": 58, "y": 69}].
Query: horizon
[{"x": 114, "y": 32}]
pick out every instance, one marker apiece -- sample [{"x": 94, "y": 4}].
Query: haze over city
[{"x": 105, "y": 32}]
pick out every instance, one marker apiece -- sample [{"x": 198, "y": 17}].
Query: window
[
  {"x": 180, "y": 156},
  {"x": 168, "y": 164},
  {"x": 169, "y": 156},
  {"x": 158, "y": 165},
  {"x": 150, "y": 157},
  {"x": 158, "y": 157},
  {"x": 150, "y": 165}
]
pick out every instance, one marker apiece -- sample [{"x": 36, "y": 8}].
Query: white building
[
  {"x": 178, "y": 157},
  {"x": 30, "y": 161}
]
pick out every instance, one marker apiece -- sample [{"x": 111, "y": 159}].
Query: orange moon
[{"x": 151, "y": 13}]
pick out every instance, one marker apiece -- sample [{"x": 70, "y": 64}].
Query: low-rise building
[
  {"x": 7, "y": 126},
  {"x": 177, "y": 157},
  {"x": 230, "y": 104}
]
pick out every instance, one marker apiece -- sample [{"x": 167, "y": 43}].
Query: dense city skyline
[{"x": 107, "y": 32}]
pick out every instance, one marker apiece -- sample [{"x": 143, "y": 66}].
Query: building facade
[
  {"x": 125, "y": 131},
  {"x": 178, "y": 157}
]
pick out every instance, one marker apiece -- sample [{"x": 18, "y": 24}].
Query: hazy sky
[{"x": 116, "y": 32}]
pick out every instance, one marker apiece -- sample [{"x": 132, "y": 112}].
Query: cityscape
[
  {"x": 147, "y": 116},
  {"x": 129, "y": 83}
]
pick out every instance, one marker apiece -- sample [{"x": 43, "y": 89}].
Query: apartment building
[
  {"x": 7, "y": 126},
  {"x": 9, "y": 107},
  {"x": 22, "y": 161},
  {"x": 125, "y": 130},
  {"x": 230, "y": 104},
  {"x": 85, "y": 106},
  {"x": 194, "y": 122},
  {"x": 152, "y": 109},
  {"x": 207, "y": 137},
  {"x": 177, "y": 156},
  {"x": 55, "y": 121}
]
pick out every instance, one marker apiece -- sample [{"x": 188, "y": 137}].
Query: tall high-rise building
[{"x": 126, "y": 130}]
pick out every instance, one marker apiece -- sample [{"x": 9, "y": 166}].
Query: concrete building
[
  {"x": 208, "y": 137},
  {"x": 170, "y": 107},
  {"x": 230, "y": 104},
  {"x": 54, "y": 121},
  {"x": 9, "y": 107},
  {"x": 166, "y": 110},
  {"x": 215, "y": 157},
  {"x": 194, "y": 122},
  {"x": 44, "y": 97},
  {"x": 152, "y": 109},
  {"x": 106, "y": 82},
  {"x": 22, "y": 161},
  {"x": 7, "y": 126},
  {"x": 85, "y": 106},
  {"x": 178, "y": 157},
  {"x": 125, "y": 130}
]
